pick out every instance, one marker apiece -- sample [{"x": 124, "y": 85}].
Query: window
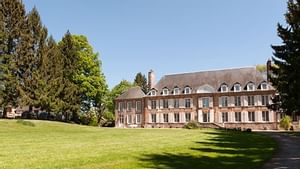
[
  {"x": 176, "y": 103},
  {"x": 187, "y": 90},
  {"x": 165, "y": 92},
  {"x": 264, "y": 86},
  {"x": 250, "y": 87},
  {"x": 176, "y": 117},
  {"x": 129, "y": 104},
  {"x": 166, "y": 118},
  {"x": 250, "y": 100},
  {"x": 251, "y": 116},
  {"x": 138, "y": 118},
  {"x": 205, "y": 102},
  {"x": 224, "y": 88},
  {"x": 153, "y": 93},
  {"x": 153, "y": 118},
  {"x": 187, "y": 117},
  {"x": 237, "y": 88},
  {"x": 238, "y": 116},
  {"x": 265, "y": 116},
  {"x": 176, "y": 91},
  {"x": 224, "y": 101},
  {"x": 138, "y": 106},
  {"x": 120, "y": 106},
  {"x": 129, "y": 119},
  {"x": 206, "y": 117},
  {"x": 165, "y": 104},
  {"x": 264, "y": 100},
  {"x": 187, "y": 103},
  {"x": 224, "y": 117},
  {"x": 153, "y": 104},
  {"x": 122, "y": 119},
  {"x": 237, "y": 100}
]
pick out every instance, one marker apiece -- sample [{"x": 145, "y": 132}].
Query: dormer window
[
  {"x": 187, "y": 90},
  {"x": 165, "y": 91},
  {"x": 176, "y": 91},
  {"x": 250, "y": 87},
  {"x": 224, "y": 88},
  {"x": 237, "y": 88},
  {"x": 153, "y": 93},
  {"x": 264, "y": 86}
]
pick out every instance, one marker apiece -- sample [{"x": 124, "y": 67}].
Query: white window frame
[
  {"x": 176, "y": 91},
  {"x": 138, "y": 119},
  {"x": 188, "y": 115},
  {"x": 248, "y": 86},
  {"x": 264, "y": 84},
  {"x": 206, "y": 99},
  {"x": 187, "y": 103},
  {"x": 206, "y": 117},
  {"x": 153, "y": 116},
  {"x": 137, "y": 106},
  {"x": 165, "y": 91},
  {"x": 152, "y": 93},
  {"x": 129, "y": 106},
  {"x": 235, "y": 88},
  {"x": 187, "y": 90},
  {"x": 224, "y": 101},
  {"x": 224, "y": 86},
  {"x": 265, "y": 116},
  {"x": 239, "y": 115},
  {"x": 166, "y": 117},
  {"x": 224, "y": 117},
  {"x": 251, "y": 116},
  {"x": 176, "y": 120}
]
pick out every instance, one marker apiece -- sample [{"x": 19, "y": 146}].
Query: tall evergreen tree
[
  {"x": 50, "y": 78},
  {"x": 70, "y": 94},
  {"x": 141, "y": 80},
  {"x": 31, "y": 50},
  {"x": 12, "y": 34},
  {"x": 286, "y": 73}
]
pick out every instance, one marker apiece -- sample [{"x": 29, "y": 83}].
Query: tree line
[{"x": 63, "y": 78}]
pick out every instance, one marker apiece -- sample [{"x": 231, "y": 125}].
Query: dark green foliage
[
  {"x": 286, "y": 74},
  {"x": 70, "y": 94},
  {"x": 191, "y": 125},
  {"x": 12, "y": 36},
  {"x": 141, "y": 80},
  {"x": 62, "y": 80}
]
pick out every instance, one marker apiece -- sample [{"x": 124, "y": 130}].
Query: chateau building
[{"x": 231, "y": 98}]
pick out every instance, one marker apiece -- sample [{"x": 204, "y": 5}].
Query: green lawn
[{"x": 42, "y": 144}]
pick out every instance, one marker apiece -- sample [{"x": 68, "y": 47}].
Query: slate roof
[
  {"x": 132, "y": 93},
  {"x": 214, "y": 79}
]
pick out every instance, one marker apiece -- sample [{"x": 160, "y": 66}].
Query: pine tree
[
  {"x": 141, "y": 80},
  {"x": 70, "y": 94},
  {"x": 286, "y": 73},
  {"x": 50, "y": 78},
  {"x": 31, "y": 49},
  {"x": 12, "y": 34}
]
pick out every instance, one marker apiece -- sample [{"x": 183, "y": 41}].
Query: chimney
[
  {"x": 269, "y": 67},
  {"x": 151, "y": 79}
]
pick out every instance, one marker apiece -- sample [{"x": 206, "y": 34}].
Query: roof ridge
[{"x": 214, "y": 70}]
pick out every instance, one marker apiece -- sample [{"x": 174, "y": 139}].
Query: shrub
[
  {"x": 191, "y": 125},
  {"x": 285, "y": 122}
]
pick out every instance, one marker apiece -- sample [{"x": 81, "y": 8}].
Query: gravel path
[{"x": 288, "y": 155}]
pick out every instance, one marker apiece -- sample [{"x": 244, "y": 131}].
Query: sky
[{"x": 167, "y": 36}]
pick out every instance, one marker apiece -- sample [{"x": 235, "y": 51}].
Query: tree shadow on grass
[{"x": 226, "y": 149}]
